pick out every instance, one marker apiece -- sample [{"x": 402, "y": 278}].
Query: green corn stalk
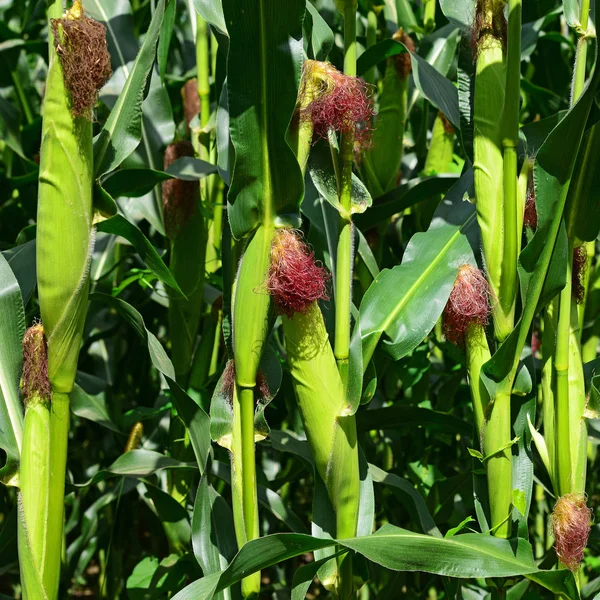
[
  {"x": 478, "y": 353},
  {"x": 343, "y": 271},
  {"x": 330, "y": 430},
  {"x": 498, "y": 216},
  {"x": 381, "y": 163},
  {"x": 251, "y": 305},
  {"x": 571, "y": 434},
  {"x": 64, "y": 245}
]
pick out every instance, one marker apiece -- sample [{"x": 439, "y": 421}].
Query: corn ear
[
  {"x": 488, "y": 166},
  {"x": 64, "y": 228},
  {"x": 321, "y": 398},
  {"x": 251, "y": 307}
]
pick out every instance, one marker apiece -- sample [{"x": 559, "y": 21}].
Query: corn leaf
[
  {"x": 464, "y": 555},
  {"x": 266, "y": 179},
  {"x": 122, "y": 131},
  {"x": 213, "y": 536},
  {"x": 12, "y": 329},
  {"x": 119, "y": 225},
  {"x": 405, "y": 302},
  {"x": 195, "y": 419},
  {"x": 430, "y": 82}
]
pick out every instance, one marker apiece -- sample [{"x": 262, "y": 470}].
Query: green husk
[
  {"x": 488, "y": 161},
  {"x": 330, "y": 430},
  {"x": 64, "y": 245}
]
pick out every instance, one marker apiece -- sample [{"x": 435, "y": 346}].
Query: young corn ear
[
  {"x": 381, "y": 162},
  {"x": 487, "y": 150},
  {"x": 571, "y": 524},
  {"x": 464, "y": 320},
  {"x": 78, "y": 67},
  {"x": 297, "y": 283}
]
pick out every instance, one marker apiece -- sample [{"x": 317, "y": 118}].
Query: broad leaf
[
  {"x": 12, "y": 330},
  {"x": 405, "y": 302},
  {"x": 122, "y": 131},
  {"x": 266, "y": 180}
]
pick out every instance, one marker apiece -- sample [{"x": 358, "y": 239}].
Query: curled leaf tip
[
  {"x": 571, "y": 522},
  {"x": 35, "y": 384},
  {"x": 296, "y": 279},
  {"x": 80, "y": 43},
  {"x": 469, "y": 303},
  {"x": 331, "y": 100}
]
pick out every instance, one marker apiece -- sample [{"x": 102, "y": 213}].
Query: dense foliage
[{"x": 300, "y": 271}]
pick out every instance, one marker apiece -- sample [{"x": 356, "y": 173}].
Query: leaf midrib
[{"x": 410, "y": 293}]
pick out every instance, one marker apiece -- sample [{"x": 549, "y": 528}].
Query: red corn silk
[
  {"x": 571, "y": 524},
  {"x": 332, "y": 100},
  {"x": 296, "y": 279},
  {"x": 578, "y": 275},
  {"x": 228, "y": 383},
  {"x": 468, "y": 303}
]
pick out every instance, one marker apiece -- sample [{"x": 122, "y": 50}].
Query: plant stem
[
  {"x": 245, "y": 410},
  {"x": 496, "y": 444},
  {"x": 561, "y": 367},
  {"x": 478, "y": 353},
  {"x": 510, "y": 143},
  {"x": 581, "y": 57},
  {"x": 343, "y": 272}
]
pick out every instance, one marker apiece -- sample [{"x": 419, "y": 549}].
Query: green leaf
[
  {"x": 409, "y": 417},
  {"x": 406, "y": 302},
  {"x": 409, "y": 497},
  {"x": 12, "y": 331},
  {"x": 324, "y": 179},
  {"x": 122, "y": 131},
  {"x": 321, "y": 36},
  {"x": 304, "y": 576},
  {"x": 9, "y": 127},
  {"x": 404, "y": 196},
  {"x": 138, "y": 464},
  {"x": 212, "y": 12},
  {"x": 468, "y": 555},
  {"x": 90, "y": 403},
  {"x": 268, "y": 498},
  {"x": 430, "y": 82},
  {"x": 22, "y": 262},
  {"x": 213, "y": 535},
  {"x": 263, "y": 73},
  {"x": 195, "y": 419},
  {"x": 119, "y": 225},
  {"x": 162, "y": 54}
]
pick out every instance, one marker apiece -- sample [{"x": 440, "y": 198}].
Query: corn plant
[{"x": 299, "y": 299}]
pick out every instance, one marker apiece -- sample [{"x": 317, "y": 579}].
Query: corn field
[{"x": 299, "y": 299}]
